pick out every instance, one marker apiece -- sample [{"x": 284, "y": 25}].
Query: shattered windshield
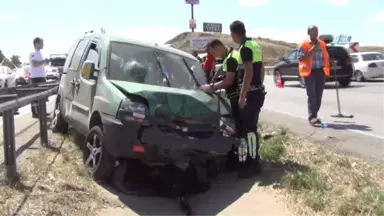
[{"x": 134, "y": 63}]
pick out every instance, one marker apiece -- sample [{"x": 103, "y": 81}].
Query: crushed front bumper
[{"x": 121, "y": 137}]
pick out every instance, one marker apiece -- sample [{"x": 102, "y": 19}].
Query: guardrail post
[
  {"x": 43, "y": 122},
  {"x": 9, "y": 145}
]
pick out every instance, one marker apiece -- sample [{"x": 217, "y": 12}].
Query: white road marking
[{"x": 351, "y": 130}]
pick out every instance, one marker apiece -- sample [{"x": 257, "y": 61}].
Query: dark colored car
[{"x": 340, "y": 61}]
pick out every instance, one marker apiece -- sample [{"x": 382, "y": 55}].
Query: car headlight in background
[{"x": 136, "y": 110}]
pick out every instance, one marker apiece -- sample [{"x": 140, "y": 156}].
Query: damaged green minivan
[{"x": 135, "y": 100}]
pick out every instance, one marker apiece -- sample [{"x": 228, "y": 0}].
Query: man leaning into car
[
  {"x": 313, "y": 67},
  {"x": 229, "y": 82}
]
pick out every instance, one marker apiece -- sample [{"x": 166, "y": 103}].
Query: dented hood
[{"x": 189, "y": 106}]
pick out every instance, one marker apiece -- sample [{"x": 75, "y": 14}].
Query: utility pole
[
  {"x": 192, "y": 16},
  {"x": 192, "y": 21}
]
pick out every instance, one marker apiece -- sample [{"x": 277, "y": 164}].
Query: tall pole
[{"x": 192, "y": 16}]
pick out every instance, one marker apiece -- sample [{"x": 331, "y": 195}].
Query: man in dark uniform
[
  {"x": 251, "y": 99},
  {"x": 229, "y": 82}
]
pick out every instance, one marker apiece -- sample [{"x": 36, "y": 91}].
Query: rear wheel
[
  {"x": 344, "y": 82},
  {"x": 359, "y": 77},
  {"x": 58, "y": 123}
]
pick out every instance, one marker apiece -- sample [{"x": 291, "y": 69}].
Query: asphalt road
[
  {"x": 363, "y": 134},
  {"x": 27, "y": 136}
]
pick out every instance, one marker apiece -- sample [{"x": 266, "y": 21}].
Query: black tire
[
  {"x": 58, "y": 124},
  {"x": 301, "y": 82},
  {"x": 358, "y": 76},
  {"x": 275, "y": 75},
  {"x": 344, "y": 82},
  {"x": 97, "y": 161}
]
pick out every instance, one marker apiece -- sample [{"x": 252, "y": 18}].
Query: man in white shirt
[{"x": 37, "y": 70}]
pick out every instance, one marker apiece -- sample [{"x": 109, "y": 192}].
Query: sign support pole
[{"x": 192, "y": 16}]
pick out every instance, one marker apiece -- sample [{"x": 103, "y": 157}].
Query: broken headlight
[{"x": 136, "y": 110}]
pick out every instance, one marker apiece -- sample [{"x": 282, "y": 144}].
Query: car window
[
  {"x": 140, "y": 64},
  {"x": 354, "y": 58},
  {"x": 337, "y": 52},
  {"x": 372, "y": 56},
  {"x": 293, "y": 55},
  {"x": 76, "y": 59}
]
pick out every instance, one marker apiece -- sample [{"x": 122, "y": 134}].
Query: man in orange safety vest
[{"x": 313, "y": 67}]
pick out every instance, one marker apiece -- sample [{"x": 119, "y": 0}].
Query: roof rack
[{"x": 102, "y": 30}]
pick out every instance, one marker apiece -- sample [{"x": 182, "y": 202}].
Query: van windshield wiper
[
  {"x": 191, "y": 72},
  {"x": 161, "y": 68}
]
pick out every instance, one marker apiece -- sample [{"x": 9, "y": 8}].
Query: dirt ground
[{"x": 299, "y": 178}]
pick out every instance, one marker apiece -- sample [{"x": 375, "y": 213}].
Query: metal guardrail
[
  {"x": 268, "y": 70},
  {"x": 12, "y": 101}
]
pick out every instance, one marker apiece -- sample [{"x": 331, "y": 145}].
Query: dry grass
[
  {"x": 272, "y": 49},
  {"x": 53, "y": 182},
  {"x": 325, "y": 182}
]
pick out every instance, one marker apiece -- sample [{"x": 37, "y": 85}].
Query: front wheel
[
  {"x": 344, "y": 82},
  {"x": 276, "y": 75},
  {"x": 97, "y": 161}
]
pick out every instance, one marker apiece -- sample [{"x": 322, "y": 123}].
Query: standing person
[
  {"x": 37, "y": 70},
  {"x": 229, "y": 83},
  {"x": 209, "y": 66},
  {"x": 251, "y": 99},
  {"x": 314, "y": 66}
]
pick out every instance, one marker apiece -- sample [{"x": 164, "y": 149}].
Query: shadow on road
[
  {"x": 225, "y": 190},
  {"x": 351, "y": 126}
]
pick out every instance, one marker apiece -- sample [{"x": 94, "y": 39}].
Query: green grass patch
[
  {"x": 370, "y": 202},
  {"x": 273, "y": 149},
  {"x": 314, "y": 185}
]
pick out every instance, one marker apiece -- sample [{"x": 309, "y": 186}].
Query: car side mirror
[
  {"x": 88, "y": 70},
  {"x": 282, "y": 59}
]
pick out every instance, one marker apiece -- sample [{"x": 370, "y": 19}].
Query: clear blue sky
[{"x": 152, "y": 20}]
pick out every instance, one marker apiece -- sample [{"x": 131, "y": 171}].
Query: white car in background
[
  {"x": 52, "y": 73},
  {"x": 368, "y": 65},
  {"x": 7, "y": 77}
]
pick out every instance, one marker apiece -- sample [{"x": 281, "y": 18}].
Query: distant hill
[{"x": 273, "y": 49}]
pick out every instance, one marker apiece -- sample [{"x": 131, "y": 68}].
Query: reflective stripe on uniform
[
  {"x": 252, "y": 144},
  {"x": 242, "y": 150}
]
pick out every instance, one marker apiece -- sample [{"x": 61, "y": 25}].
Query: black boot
[{"x": 249, "y": 168}]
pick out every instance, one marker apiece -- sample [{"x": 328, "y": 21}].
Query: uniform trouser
[
  {"x": 314, "y": 85},
  {"x": 235, "y": 112},
  {"x": 35, "y": 104},
  {"x": 247, "y": 127}
]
